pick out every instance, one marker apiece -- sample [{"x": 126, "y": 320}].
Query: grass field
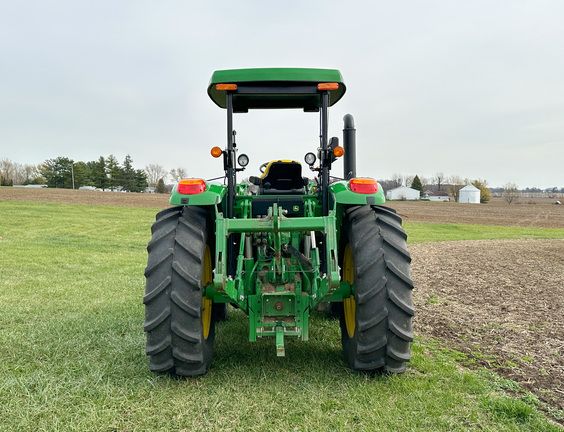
[
  {"x": 431, "y": 232},
  {"x": 72, "y": 348}
]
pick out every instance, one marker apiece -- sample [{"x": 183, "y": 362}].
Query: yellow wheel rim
[
  {"x": 349, "y": 305},
  {"x": 206, "y": 302}
]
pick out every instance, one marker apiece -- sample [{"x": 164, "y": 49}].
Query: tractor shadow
[{"x": 321, "y": 353}]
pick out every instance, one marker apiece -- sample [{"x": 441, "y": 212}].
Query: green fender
[
  {"x": 343, "y": 195},
  {"x": 213, "y": 194}
]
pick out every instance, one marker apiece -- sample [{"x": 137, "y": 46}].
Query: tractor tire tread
[
  {"x": 173, "y": 296},
  {"x": 383, "y": 290}
]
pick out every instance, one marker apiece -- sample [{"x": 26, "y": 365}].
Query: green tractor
[{"x": 280, "y": 245}]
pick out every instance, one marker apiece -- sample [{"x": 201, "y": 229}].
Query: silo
[{"x": 469, "y": 194}]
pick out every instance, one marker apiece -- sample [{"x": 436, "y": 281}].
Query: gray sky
[{"x": 470, "y": 88}]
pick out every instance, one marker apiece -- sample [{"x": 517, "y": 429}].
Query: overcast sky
[{"x": 469, "y": 88}]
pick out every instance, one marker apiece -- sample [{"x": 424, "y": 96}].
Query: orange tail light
[{"x": 363, "y": 185}]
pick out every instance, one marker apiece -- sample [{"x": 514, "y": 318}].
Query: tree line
[
  {"x": 105, "y": 173},
  {"x": 108, "y": 174},
  {"x": 12, "y": 173}
]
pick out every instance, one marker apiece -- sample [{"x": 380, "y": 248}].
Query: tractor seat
[{"x": 282, "y": 177}]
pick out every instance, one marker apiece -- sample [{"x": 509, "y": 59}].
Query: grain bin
[{"x": 469, "y": 194}]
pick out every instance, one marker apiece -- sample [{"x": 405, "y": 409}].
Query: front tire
[
  {"x": 178, "y": 318},
  {"x": 376, "y": 329}
]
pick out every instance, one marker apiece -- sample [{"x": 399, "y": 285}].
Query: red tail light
[
  {"x": 363, "y": 185},
  {"x": 191, "y": 186}
]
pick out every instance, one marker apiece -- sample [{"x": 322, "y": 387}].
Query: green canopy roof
[{"x": 275, "y": 88}]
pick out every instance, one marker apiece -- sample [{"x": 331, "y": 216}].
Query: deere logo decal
[{"x": 296, "y": 208}]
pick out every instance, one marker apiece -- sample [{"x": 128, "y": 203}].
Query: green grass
[
  {"x": 433, "y": 232},
  {"x": 72, "y": 351}
]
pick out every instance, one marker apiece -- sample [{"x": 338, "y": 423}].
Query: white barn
[
  {"x": 402, "y": 193},
  {"x": 469, "y": 194}
]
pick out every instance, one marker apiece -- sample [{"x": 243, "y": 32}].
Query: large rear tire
[
  {"x": 178, "y": 318},
  {"x": 376, "y": 322}
]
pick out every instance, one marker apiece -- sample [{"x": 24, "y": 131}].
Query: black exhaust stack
[{"x": 349, "y": 144}]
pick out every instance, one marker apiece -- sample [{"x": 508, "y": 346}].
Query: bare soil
[
  {"x": 498, "y": 301},
  {"x": 540, "y": 212}
]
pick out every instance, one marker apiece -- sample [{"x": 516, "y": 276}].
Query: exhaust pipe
[{"x": 349, "y": 144}]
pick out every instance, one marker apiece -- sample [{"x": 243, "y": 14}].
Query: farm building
[
  {"x": 469, "y": 194},
  {"x": 402, "y": 193},
  {"x": 436, "y": 196}
]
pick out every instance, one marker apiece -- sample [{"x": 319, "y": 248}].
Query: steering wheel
[{"x": 263, "y": 167}]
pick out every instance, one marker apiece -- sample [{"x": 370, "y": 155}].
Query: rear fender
[
  {"x": 212, "y": 195},
  {"x": 342, "y": 194}
]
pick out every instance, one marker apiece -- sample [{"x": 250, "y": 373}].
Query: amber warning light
[
  {"x": 328, "y": 86},
  {"x": 226, "y": 86},
  {"x": 191, "y": 186},
  {"x": 363, "y": 185},
  {"x": 216, "y": 152},
  {"x": 338, "y": 151}
]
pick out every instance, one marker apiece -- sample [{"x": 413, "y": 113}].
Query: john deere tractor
[{"x": 279, "y": 245}]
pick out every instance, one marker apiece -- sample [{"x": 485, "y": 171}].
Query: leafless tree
[
  {"x": 6, "y": 169},
  {"x": 397, "y": 180},
  {"x": 178, "y": 174},
  {"x": 425, "y": 181},
  {"x": 439, "y": 180},
  {"x": 510, "y": 192},
  {"x": 386, "y": 184},
  {"x": 455, "y": 183},
  {"x": 31, "y": 172},
  {"x": 18, "y": 173},
  {"x": 155, "y": 172}
]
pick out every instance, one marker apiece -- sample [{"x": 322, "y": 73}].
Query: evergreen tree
[
  {"x": 114, "y": 172},
  {"x": 161, "y": 188},
  {"x": 140, "y": 181},
  {"x": 104, "y": 173},
  {"x": 91, "y": 173},
  {"x": 81, "y": 174},
  {"x": 417, "y": 185},
  {"x": 128, "y": 181},
  {"x": 57, "y": 172},
  {"x": 99, "y": 174}
]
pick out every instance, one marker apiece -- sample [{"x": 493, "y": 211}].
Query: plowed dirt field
[{"x": 500, "y": 302}]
